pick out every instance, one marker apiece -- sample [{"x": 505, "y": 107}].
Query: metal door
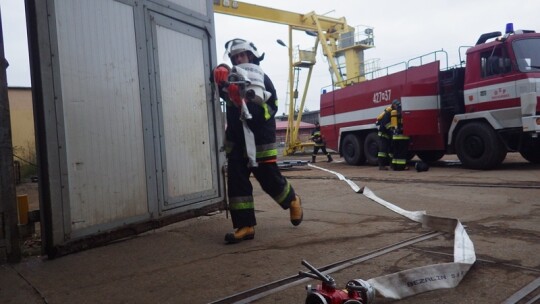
[{"x": 128, "y": 128}]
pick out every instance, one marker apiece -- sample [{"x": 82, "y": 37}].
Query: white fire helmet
[{"x": 237, "y": 45}]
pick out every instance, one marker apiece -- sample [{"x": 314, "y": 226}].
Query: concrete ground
[{"x": 187, "y": 262}]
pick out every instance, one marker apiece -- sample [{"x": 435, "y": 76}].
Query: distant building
[
  {"x": 306, "y": 126},
  {"x": 310, "y": 117},
  {"x": 22, "y": 130},
  {"x": 22, "y": 122},
  {"x": 303, "y": 134}
]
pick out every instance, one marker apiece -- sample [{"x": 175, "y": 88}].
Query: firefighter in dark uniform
[
  {"x": 319, "y": 144},
  {"x": 263, "y": 126},
  {"x": 385, "y": 138},
  {"x": 400, "y": 142}
]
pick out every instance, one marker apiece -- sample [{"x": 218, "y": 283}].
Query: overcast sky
[{"x": 402, "y": 30}]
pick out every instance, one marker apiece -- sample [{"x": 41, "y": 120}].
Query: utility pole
[{"x": 9, "y": 231}]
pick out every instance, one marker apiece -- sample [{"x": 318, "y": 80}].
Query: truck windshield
[{"x": 527, "y": 54}]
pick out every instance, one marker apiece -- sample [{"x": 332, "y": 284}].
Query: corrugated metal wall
[{"x": 129, "y": 116}]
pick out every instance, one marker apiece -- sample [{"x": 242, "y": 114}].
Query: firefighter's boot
[
  {"x": 244, "y": 233},
  {"x": 296, "y": 212},
  {"x": 329, "y": 158},
  {"x": 313, "y": 159}
]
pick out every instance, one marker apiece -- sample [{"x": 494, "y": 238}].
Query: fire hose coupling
[
  {"x": 356, "y": 291},
  {"x": 364, "y": 288}
]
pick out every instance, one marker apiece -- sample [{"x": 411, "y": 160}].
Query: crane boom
[{"x": 295, "y": 20}]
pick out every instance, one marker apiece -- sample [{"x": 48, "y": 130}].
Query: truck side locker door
[{"x": 420, "y": 107}]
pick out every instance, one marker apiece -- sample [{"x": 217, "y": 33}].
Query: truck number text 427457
[{"x": 382, "y": 96}]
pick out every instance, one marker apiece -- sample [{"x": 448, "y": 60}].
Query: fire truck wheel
[
  {"x": 530, "y": 150},
  {"x": 479, "y": 147},
  {"x": 371, "y": 148},
  {"x": 430, "y": 156},
  {"x": 352, "y": 150}
]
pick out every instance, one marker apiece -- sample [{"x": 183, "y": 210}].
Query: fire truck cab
[{"x": 479, "y": 110}]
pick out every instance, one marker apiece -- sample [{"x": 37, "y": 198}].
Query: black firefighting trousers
[
  {"x": 316, "y": 149},
  {"x": 384, "y": 155},
  {"x": 400, "y": 145},
  {"x": 240, "y": 189}
]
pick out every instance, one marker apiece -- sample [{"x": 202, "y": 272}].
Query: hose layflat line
[
  {"x": 449, "y": 183},
  {"x": 276, "y": 286},
  {"x": 413, "y": 281}
]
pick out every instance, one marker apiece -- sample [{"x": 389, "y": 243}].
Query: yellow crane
[{"x": 342, "y": 44}]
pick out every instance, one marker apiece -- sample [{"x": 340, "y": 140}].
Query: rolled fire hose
[{"x": 250, "y": 78}]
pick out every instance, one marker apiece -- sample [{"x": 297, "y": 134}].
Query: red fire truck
[{"x": 479, "y": 110}]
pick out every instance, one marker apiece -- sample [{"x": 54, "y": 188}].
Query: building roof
[{"x": 282, "y": 125}]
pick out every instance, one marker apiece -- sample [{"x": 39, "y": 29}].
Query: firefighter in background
[
  {"x": 400, "y": 142},
  {"x": 385, "y": 137},
  {"x": 263, "y": 126},
  {"x": 318, "y": 139}
]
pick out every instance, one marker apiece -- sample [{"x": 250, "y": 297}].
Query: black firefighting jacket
[{"x": 263, "y": 126}]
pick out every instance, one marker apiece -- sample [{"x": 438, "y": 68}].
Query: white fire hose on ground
[{"x": 421, "y": 279}]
